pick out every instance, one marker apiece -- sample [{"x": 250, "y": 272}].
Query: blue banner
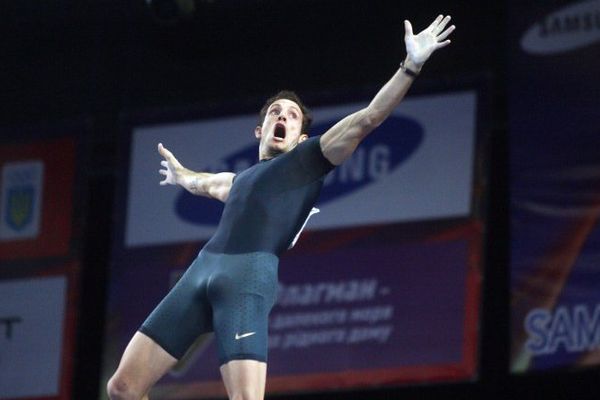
[{"x": 555, "y": 184}]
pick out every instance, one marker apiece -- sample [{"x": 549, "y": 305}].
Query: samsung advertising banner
[
  {"x": 555, "y": 184},
  {"x": 395, "y": 164},
  {"x": 383, "y": 285}
]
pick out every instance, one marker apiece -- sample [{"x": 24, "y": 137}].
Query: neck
[{"x": 267, "y": 154}]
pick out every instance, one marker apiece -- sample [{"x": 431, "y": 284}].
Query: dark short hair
[{"x": 288, "y": 95}]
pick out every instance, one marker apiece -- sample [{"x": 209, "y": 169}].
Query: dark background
[{"x": 100, "y": 60}]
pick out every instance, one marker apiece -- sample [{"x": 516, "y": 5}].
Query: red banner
[{"x": 37, "y": 189}]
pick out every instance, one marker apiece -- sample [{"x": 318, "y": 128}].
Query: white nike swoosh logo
[{"x": 243, "y": 335}]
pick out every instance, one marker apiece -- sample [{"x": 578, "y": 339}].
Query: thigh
[
  {"x": 242, "y": 294},
  {"x": 244, "y": 379},
  {"x": 143, "y": 363},
  {"x": 183, "y": 315},
  {"x": 241, "y": 327}
]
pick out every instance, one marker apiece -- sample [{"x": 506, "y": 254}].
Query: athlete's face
[{"x": 281, "y": 129}]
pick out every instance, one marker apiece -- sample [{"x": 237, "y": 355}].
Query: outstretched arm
[
  {"x": 215, "y": 186},
  {"x": 339, "y": 142}
]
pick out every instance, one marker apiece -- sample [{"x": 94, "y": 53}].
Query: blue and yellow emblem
[{"x": 19, "y": 206}]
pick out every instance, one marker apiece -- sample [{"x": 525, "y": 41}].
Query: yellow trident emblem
[{"x": 20, "y": 207}]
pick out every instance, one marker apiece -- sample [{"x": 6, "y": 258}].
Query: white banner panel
[
  {"x": 32, "y": 314},
  {"x": 416, "y": 166}
]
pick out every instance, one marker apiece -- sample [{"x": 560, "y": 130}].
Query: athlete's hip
[{"x": 232, "y": 275}]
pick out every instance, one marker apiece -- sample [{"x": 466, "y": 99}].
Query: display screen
[
  {"x": 554, "y": 185},
  {"x": 382, "y": 287}
]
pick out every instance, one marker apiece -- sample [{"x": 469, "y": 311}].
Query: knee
[{"x": 119, "y": 389}]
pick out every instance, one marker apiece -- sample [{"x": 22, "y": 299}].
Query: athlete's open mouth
[{"x": 279, "y": 131}]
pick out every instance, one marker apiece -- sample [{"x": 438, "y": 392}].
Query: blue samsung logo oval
[{"x": 383, "y": 151}]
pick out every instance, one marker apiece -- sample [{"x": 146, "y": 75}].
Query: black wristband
[{"x": 408, "y": 71}]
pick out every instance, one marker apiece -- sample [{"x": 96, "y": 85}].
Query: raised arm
[
  {"x": 339, "y": 142},
  {"x": 215, "y": 186}
]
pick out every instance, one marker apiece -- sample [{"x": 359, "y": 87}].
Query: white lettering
[
  {"x": 372, "y": 314},
  {"x": 364, "y": 334},
  {"x": 379, "y": 162},
  {"x": 587, "y": 328},
  {"x": 562, "y": 330},
  {"x": 364, "y": 165},
  {"x": 309, "y": 319},
  {"x": 327, "y": 292},
  {"x": 310, "y": 338},
  {"x": 353, "y": 170},
  {"x": 572, "y": 329}
]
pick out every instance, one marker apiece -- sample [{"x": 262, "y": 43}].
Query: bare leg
[
  {"x": 244, "y": 379},
  {"x": 143, "y": 363}
]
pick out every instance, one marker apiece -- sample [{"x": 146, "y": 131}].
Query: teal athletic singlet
[{"x": 231, "y": 286}]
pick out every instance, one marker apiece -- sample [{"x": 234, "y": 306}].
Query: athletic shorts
[{"x": 230, "y": 294}]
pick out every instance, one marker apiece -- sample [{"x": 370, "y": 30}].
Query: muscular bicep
[
  {"x": 340, "y": 141},
  {"x": 218, "y": 185}
]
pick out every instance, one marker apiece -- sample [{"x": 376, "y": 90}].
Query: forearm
[
  {"x": 391, "y": 94},
  {"x": 197, "y": 183},
  {"x": 214, "y": 186},
  {"x": 339, "y": 142}
]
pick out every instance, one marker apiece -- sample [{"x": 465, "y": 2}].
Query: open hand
[
  {"x": 420, "y": 47},
  {"x": 172, "y": 167}
]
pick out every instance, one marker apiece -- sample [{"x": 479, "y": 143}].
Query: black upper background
[{"x": 99, "y": 60}]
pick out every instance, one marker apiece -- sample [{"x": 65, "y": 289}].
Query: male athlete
[{"x": 231, "y": 287}]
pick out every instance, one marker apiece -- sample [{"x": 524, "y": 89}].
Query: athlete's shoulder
[
  {"x": 311, "y": 155},
  {"x": 311, "y": 144}
]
